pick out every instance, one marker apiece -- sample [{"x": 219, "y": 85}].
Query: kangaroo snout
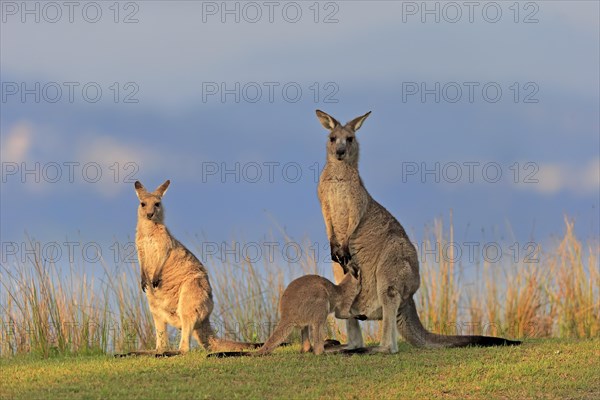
[
  {"x": 340, "y": 152},
  {"x": 150, "y": 215}
]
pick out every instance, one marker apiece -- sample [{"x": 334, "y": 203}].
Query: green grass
[
  {"x": 57, "y": 322},
  {"x": 541, "y": 368}
]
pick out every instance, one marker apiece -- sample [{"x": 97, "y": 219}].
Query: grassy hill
[{"x": 541, "y": 368}]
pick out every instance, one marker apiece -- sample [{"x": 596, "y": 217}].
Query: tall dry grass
[
  {"x": 439, "y": 295},
  {"x": 552, "y": 292},
  {"x": 46, "y": 310},
  {"x": 573, "y": 287}
]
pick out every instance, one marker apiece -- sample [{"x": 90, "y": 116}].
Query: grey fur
[
  {"x": 363, "y": 232},
  {"x": 175, "y": 281},
  {"x": 306, "y": 303}
]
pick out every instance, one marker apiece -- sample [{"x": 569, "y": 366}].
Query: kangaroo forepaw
[
  {"x": 144, "y": 285},
  {"x": 341, "y": 255},
  {"x": 335, "y": 249},
  {"x": 156, "y": 283}
]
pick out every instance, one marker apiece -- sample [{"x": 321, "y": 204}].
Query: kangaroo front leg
[
  {"x": 143, "y": 275},
  {"x": 356, "y": 211},
  {"x": 157, "y": 277},
  {"x": 337, "y": 254},
  {"x": 328, "y": 222},
  {"x": 144, "y": 281}
]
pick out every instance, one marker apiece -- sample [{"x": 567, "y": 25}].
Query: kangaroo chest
[
  {"x": 339, "y": 204},
  {"x": 340, "y": 197},
  {"x": 152, "y": 248}
]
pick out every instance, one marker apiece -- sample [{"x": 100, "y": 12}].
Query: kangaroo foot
[
  {"x": 136, "y": 353},
  {"x": 343, "y": 350},
  {"x": 382, "y": 350},
  {"x": 168, "y": 354},
  {"x": 226, "y": 354},
  {"x": 332, "y": 343},
  {"x": 358, "y": 350}
]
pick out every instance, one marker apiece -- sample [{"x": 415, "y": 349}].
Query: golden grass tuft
[{"x": 552, "y": 293}]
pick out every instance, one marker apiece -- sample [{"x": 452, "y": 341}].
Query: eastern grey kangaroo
[
  {"x": 361, "y": 230},
  {"x": 305, "y": 304},
  {"x": 175, "y": 281}
]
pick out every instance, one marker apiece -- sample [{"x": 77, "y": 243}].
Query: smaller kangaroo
[
  {"x": 305, "y": 304},
  {"x": 175, "y": 281}
]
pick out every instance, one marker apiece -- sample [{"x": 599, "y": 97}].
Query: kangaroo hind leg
[{"x": 394, "y": 284}]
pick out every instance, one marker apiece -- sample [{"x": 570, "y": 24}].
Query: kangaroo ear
[
  {"x": 139, "y": 188},
  {"x": 356, "y": 123},
  {"x": 327, "y": 120},
  {"x": 162, "y": 188}
]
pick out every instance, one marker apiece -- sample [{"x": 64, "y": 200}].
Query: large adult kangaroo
[{"x": 362, "y": 230}]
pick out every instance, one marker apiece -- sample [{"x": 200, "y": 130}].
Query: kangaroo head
[
  {"x": 342, "y": 145},
  {"x": 352, "y": 282},
  {"x": 150, "y": 207}
]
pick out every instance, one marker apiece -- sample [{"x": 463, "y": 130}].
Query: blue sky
[{"x": 541, "y": 133}]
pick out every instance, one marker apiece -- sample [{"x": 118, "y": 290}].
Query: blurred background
[
  {"x": 489, "y": 110},
  {"x": 483, "y": 142}
]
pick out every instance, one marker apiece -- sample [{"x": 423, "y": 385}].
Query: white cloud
[
  {"x": 108, "y": 150},
  {"x": 591, "y": 177},
  {"x": 118, "y": 162},
  {"x": 554, "y": 177},
  {"x": 43, "y": 160},
  {"x": 17, "y": 142},
  {"x": 123, "y": 162}
]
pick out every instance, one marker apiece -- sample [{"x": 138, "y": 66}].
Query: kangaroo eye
[
  {"x": 350, "y": 139},
  {"x": 157, "y": 204},
  {"x": 143, "y": 204},
  {"x": 332, "y": 139}
]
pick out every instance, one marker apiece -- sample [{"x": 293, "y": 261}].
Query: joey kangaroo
[
  {"x": 361, "y": 230},
  {"x": 306, "y": 303},
  {"x": 175, "y": 281}
]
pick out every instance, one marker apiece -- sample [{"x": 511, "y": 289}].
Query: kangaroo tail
[
  {"x": 410, "y": 327},
  {"x": 230, "y": 345},
  {"x": 278, "y": 336},
  {"x": 206, "y": 336}
]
